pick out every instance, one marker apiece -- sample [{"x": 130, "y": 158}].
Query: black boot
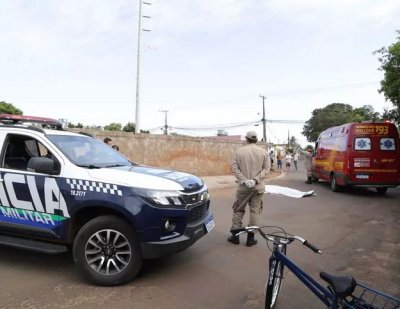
[
  {"x": 308, "y": 180},
  {"x": 251, "y": 241},
  {"x": 234, "y": 239}
]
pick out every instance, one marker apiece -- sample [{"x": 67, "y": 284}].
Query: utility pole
[
  {"x": 165, "y": 122},
  {"x": 264, "y": 120},
  {"x": 137, "y": 115}
]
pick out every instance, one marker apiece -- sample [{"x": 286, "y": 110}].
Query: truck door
[{"x": 30, "y": 202}]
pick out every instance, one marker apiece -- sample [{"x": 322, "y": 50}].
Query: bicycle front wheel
[{"x": 274, "y": 281}]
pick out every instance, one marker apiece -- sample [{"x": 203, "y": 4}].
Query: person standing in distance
[
  {"x": 295, "y": 159},
  {"x": 308, "y": 163},
  {"x": 108, "y": 141},
  {"x": 250, "y": 166}
]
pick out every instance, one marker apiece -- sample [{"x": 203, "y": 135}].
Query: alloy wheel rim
[{"x": 108, "y": 252}]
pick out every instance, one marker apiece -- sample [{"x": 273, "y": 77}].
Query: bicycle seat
[{"x": 342, "y": 286}]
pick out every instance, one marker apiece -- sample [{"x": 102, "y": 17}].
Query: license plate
[
  {"x": 362, "y": 176},
  {"x": 209, "y": 225}
]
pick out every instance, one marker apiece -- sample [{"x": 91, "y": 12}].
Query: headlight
[{"x": 160, "y": 197}]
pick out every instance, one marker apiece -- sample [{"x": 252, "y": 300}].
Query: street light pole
[
  {"x": 165, "y": 121},
  {"x": 264, "y": 121},
  {"x": 137, "y": 115}
]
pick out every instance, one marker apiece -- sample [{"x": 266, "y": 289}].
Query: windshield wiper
[
  {"x": 89, "y": 166},
  {"x": 116, "y": 165}
]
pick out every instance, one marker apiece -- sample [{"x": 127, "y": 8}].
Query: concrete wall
[{"x": 195, "y": 155}]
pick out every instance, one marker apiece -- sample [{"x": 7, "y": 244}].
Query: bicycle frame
[{"x": 328, "y": 298}]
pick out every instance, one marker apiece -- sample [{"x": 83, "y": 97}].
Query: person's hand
[{"x": 250, "y": 183}]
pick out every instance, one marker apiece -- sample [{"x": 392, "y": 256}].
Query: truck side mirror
[{"x": 41, "y": 165}]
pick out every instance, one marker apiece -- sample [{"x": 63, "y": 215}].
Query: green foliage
[
  {"x": 390, "y": 85},
  {"x": 144, "y": 131},
  {"x": 8, "y": 108},
  {"x": 365, "y": 112},
  {"x": 293, "y": 145},
  {"x": 336, "y": 114},
  {"x": 73, "y": 126},
  {"x": 114, "y": 126},
  {"x": 129, "y": 127},
  {"x": 93, "y": 126}
]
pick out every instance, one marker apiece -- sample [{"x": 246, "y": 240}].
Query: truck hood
[{"x": 148, "y": 178}]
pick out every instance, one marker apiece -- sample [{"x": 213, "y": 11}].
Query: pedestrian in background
[
  {"x": 279, "y": 158},
  {"x": 295, "y": 159},
  {"x": 308, "y": 163},
  {"x": 108, "y": 141},
  {"x": 250, "y": 166},
  {"x": 288, "y": 161},
  {"x": 116, "y": 147},
  {"x": 271, "y": 157}
]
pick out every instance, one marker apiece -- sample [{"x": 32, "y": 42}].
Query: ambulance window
[
  {"x": 362, "y": 143},
  {"x": 387, "y": 143}
]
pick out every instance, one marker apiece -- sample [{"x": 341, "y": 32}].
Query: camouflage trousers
[{"x": 254, "y": 199}]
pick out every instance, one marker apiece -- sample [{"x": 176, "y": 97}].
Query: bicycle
[{"x": 342, "y": 291}]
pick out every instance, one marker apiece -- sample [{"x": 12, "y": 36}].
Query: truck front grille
[{"x": 198, "y": 213}]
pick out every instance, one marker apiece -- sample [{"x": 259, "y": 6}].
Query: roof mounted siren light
[{"x": 42, "y": 122}]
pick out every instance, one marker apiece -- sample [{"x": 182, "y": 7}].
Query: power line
[{"x": 233, "y": 125}]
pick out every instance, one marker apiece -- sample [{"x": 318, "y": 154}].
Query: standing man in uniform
[
  {"x": 308, "y": 163},
  {"x": 250, "y": 166}
]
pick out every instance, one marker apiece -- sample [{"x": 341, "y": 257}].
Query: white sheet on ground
[{"x": 287, "y": 191}]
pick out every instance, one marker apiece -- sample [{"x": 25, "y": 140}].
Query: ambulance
[
  {"x": 359, "y": 154},
  {"x": 61, "y": 190}
]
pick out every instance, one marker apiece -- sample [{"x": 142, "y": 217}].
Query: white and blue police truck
[{"x": 61, "y": 190}]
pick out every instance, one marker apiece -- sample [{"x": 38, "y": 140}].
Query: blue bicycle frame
[{"x": 328, "y": 298}]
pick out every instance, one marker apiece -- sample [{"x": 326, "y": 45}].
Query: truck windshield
[{"x": 88, "y": 152}]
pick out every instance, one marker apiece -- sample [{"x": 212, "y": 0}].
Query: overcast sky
[{"x": 205, "y": 61}]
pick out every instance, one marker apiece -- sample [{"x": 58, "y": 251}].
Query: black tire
[
  {"x": 382, "y": 190},
  {"x": 107, "y": 251},
  {"x": 334, "y": 186},
  {"x": 274, "y": 281}
]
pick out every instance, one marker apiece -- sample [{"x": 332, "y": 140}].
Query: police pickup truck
[{"x": 61, "y": 190}]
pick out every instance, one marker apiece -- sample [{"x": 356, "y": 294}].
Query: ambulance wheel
[
  {"x": 381, "y": 191},
  {"x": 334, "y": 186},
  {"x": 107, "y": 251}
]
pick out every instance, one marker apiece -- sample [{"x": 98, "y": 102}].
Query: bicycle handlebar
[
  {"x": 312, "y": 247},
  {"x": 276, "y": 238}
]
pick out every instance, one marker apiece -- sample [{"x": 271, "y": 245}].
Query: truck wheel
[
  {"x": 334, "y": 186},
  {"x": 381, "y": 191},
  {"x": 107, "y": 251}
]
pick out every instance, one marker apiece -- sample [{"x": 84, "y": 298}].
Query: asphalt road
[{"x": 357, "y": 230}]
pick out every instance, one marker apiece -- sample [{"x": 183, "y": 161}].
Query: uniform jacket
[
  {"x": 308, "y": 162},
  {"x": 251, "y": 162}
]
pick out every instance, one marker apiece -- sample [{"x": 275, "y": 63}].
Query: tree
[
  {"x": 293, "y": 145},
  {"x": 365, "y": 112},
  {"x": 129, "y": 127},
  {"x": 8, "y": 108},
  {"x": 390, "y": 85},
  {"x": 114, "y": 126},
  {"x": 322, "y": 118},
  {"x": 336, "y": 114},
  {"x": 77, "y": 126}
]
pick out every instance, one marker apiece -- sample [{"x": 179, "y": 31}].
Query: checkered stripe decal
[{"x": 94, "y": 186}]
